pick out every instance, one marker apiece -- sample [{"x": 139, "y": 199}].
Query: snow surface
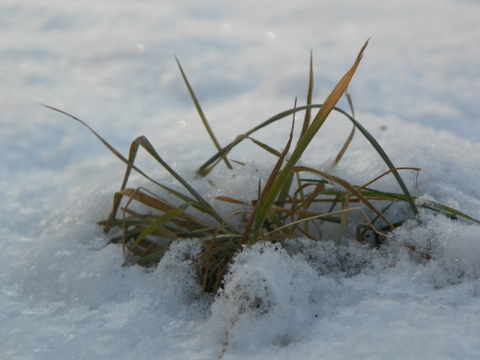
[{"x": 64, "y": 294}]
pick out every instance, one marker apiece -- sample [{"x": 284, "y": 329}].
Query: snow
[{"x": 64, "y": 293}]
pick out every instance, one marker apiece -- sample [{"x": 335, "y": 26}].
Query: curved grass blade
[
  {"x": 205, "y": 206},
  {"x": 143, "y": 141},
  {"x": 386, "y": 159},
  {"x": 374, "y": 194},
  {"x": 288, "y": 112},
  {"x": 206, "y": 167},
  {"x": 345, "y": 184}
]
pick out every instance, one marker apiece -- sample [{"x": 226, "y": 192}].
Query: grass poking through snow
[{"x": 286, "y": 205}]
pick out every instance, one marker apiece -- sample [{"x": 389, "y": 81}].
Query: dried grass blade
[
  {"x": 327, "y": 107},
  {"x": 147, "y": 200},
  {"x": 345, "y": 146},
  {"x": 230, "y": 200},
  {"x": 185, "y": 219},
  {"x": 348, "y": 187},
  {"x": 386, "y": 173},
  {"x": 328, "y": 215}
]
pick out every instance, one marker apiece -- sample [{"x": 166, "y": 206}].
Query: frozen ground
[{"x": 64, "y": 294}]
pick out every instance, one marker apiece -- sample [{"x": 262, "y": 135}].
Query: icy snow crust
[{"x": 64, "y": 293}]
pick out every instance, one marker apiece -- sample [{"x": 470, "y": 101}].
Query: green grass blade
[
  {"x": 151, "y": 258},
  {"x": 201, "y": 113},
  {"x": 107, "y": 145},
  {"x": 265, "y": 147},
  {"x": 143, "y": 141},
  {"x": 160, "y": 221},
  {"x": 352, "y": 132},
  {"x": 382, "y": 195},
  {"x": 432, "y": 205},
  {"x": 306, "y": 121},
  {"x": 224, "y": 151},
  {"x": 386, "y": 159},
  {"x": 254, "y": 219}
]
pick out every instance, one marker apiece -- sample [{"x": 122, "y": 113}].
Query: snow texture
[{"x": 64, "y": 293}]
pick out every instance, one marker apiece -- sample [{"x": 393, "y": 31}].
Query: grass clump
[{"x": 287, "y": 204}]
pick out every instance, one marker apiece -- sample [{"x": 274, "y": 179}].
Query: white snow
[{"x": 64, "y": 293}]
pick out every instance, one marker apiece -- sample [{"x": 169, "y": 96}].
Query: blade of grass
[
  {"x": 265, "y": 147},
  {"x": 345, "y": 184},
  {"x": 111, "y": 148},
  {"x": 326, "y": 215},
  {"x": 432, "y": 205},
  {"x": 254, "y": 219},
  {"x": 201, "y": 113},
  {"x": 161, "y": 220},
  {"x": 206, "y": 167},
  {"x": 374, "y": 194},
  {"x": 306, "y": 121},
  {"x": 155, "y": 202},
  {"x": 205, "y": 206},
  {"x": 306, "y": 124},
  {"x": 305, "y": 140},
  {"x": 143, "y": 141},
  {"x": 352, "y": 133},
  {"x": 385, "y": 158}
]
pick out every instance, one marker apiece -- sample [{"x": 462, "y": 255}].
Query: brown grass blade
[{"x": 345, "y": 184}]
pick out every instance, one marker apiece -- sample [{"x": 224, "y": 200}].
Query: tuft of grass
[{"x": 294, "y": 201}]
